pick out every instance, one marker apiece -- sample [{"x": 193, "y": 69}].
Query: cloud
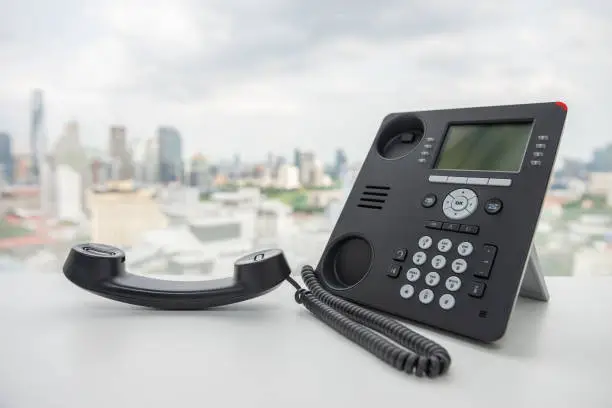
[{"x": 257, "y": 76}]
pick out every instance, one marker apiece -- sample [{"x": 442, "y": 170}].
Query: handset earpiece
[{"x": 100, "y": 269}]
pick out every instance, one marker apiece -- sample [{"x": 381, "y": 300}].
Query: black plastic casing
[{"x": 401, "y": 177}]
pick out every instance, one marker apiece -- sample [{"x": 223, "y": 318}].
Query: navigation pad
[{"x": 460, "y": 204}]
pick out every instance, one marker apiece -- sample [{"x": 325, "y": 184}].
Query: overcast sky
[{"x": 250, "y": 77}]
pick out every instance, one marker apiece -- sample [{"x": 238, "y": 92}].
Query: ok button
[{"x": 459, "y": 203}]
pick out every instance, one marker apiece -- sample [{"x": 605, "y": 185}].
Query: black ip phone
[{"x": 437, "y": 229}]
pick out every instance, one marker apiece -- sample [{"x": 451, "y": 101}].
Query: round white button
[
  {"x": 465, "y": 248},
  {"x": 459, "y": 265},
  {"x": 425, "y": 242},
  {"x": 438, "y": 262},
  {"x": 419, "y": 258},
  {"x": 460, "y": 204},
  {"x": 426, "y": 296},
  {"x": 447, "y": 301},
  {"x": 406, "y": 291},
  {"x": 413, "y": 274},
  {"x": 453, "y": 283},
  {"x": 444, "y": 245},
  {"x": 432, "y": 278}
]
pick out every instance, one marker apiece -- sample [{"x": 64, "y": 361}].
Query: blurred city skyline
[{"x": 249, "y": 79}]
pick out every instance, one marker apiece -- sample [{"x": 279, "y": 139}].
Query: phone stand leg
[{"x": 533, "y": 285}]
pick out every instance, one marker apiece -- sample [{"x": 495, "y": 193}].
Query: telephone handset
[{"x": 438, "y": 229}]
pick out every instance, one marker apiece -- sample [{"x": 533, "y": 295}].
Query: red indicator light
[{"x": 562, "y": 105}]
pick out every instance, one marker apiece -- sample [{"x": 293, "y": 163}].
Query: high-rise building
[
  {"x": 120, "y": 157},
  {"x": 171, "y": 166},
  {"x": 340, "y": 163},
  {"x": 7, "y": 165},
  {"x": 306, "y": 167},
  {"x": 38, "y": 137},
  {"x": 199, "y": 173}
]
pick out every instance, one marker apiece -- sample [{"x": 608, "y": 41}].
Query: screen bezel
[{"x": 512, "y": 121}]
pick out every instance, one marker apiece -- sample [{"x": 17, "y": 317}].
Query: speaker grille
[{"x": 374, "y": 197}]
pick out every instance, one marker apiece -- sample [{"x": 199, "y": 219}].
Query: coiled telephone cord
[{"x": 420, "y": 356}]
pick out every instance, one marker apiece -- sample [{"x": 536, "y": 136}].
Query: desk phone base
[{"x": 439, "y": 225}]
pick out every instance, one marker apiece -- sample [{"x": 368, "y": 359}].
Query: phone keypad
[{"x": 435, "y": 276}]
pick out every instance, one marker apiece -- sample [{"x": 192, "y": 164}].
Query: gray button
[
  {"x": 503, "y": 182},
  {"x": 453, "y": 283},
  {"x": 471, "y": 205},
  {"x": 432, "y": 278},
  {"x": 465, "y": 248},
  {"x": 457, "y": 180},
  {"x": 444, "y": 245},
  {"x": 438, "y": 262},
  {"x": 426, "y": 296},
  {"x": 419, "y": 258},
  {"x": 478, "y": 180},
  {"x": 425, "y": 242},
  {"x": 406, "y": 291},
  {"x": 447, "y": 301},
  {"x": 464, "y": 192},
  {"x": 459, "y": 265},
  {"x": 438, "y": 179},
  {"x": 413, "y": 274}
]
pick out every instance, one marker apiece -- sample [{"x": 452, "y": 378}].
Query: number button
[
  {"x": 432, "y": 278},
  {"x": 438, "y": 262},
  {"x": 445, "y": 245},
  {"x": 425, "y": 242},
  {"x": 426, "y": 296},
  {"x": 419, "y": 258},
  {"x": 406, "y": 291},
  {"x": 447, "y": 301},
  {"x": 459, "y": 265},
  {"x": 465, "y": 248},
  {"x": 453, "y": 283},
  {"x": 413, "y": 274}
]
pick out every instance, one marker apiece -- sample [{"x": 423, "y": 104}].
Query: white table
[{"x": 62, "y": 347}]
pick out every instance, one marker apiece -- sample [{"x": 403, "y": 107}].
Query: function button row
[
  {"x": 451, "y": 226},
  {"x": 478, "y": 181}
]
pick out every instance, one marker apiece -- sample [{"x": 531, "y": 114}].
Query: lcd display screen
[{"x": 485, "y": 147}]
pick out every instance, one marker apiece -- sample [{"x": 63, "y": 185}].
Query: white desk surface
[{"x": 62, "y": 347}]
